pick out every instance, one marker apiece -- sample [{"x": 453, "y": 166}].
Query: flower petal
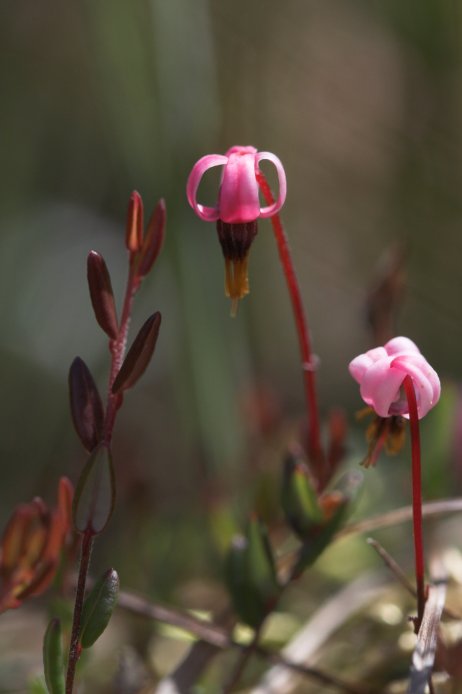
[
  {"x": 425, "y": 379},
  {"x": 401, "y": 344},
  {"x": 208, "y": 214},
  {"x": 359, "y": 365},
  {"x": 380, "y": 386},
  {"x": 276, "y": 206},
  {"x": 238, "y": 198}
]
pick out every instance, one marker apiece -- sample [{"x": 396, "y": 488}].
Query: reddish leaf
[
  {"x": 86, "y": 406},
  {"x": 134, "y": 231},
  {"x": 102, "y": 298},
  {"x": 139, "y": 354},
  {"x": 154, "y": 239}
]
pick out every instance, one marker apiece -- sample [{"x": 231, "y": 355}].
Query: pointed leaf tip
[
  {"x": 154, "y": 238},
  {"x": 98, "y": 607},
  {"x": 139, "y": 355},
  {"x": 101, "y": 294},
  {"x": 134, "y": 230},
  {"x": 95, "y": 493},
  {"x": 53, "y": 658},
  {"x": 86, "y": 405}
]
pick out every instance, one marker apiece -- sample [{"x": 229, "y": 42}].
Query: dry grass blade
[
  {"x": 423, "y": 657},
  {"x": 325, "y": 621}
]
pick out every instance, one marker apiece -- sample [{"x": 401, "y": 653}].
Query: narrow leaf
[
  {"x": 86, "y": 405},
  {"x": 299, "y": 499},
  {"x": 98, "y": 607},
  {"x": 251, "y": 575},
  {"x": 139, "y": 354},
  {"x": 102, "y": 297},
  {"x": 134, "y": 231},
  {"x": 336, "y": 506},
  {"x": 53, "y": 658},
  {"x": 154, "y": 239},
  {"x": 95, "y": 493}
]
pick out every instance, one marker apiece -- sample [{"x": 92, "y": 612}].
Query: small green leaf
[
  {"x": 337, "y": 505},
  {"x": 53, "y": 658},
  {"x": 95, "y": 493},
  {"x": 299, "y": 499},
  {"x": 251, "y": 575},
  {"x": 98, "y": 607}
]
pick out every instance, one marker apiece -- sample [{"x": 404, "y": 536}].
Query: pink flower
[
  {"x": 380, "y": 373},
  {"x": 238, "y": 200},
  {"x": 237, "y": 209}
]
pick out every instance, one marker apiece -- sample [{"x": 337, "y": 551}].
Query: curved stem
[
  {"x": 416, "y": 499},
  {"x": 308, "y": 362},
  {"x": 74, "y": 647}
]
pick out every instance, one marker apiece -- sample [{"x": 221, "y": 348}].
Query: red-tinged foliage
[
  {"x": 31, "y": 547},
  {"x": 139, "y": 354},
  {"x": 153, "y": 239},
  {"x": 102, "y": 297},
  {"x": 134, "y": 230},
  {"x": 86, "y": 405}
]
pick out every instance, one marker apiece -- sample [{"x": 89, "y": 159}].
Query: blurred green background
[{"x": 361, "y": 100}]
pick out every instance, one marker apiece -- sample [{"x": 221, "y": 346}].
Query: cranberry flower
[
  {"x": 237, "y": 209},
  {"x": 380, "y": 373},
  {"x": 397, "y": 381}
]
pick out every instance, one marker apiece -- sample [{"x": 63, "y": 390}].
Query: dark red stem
[
  {"x": 74, "y": 647},
  {"x": 117, "y": 348},
  {"x": 308, "y": 362},
  {"x": 416, "y": 499}
]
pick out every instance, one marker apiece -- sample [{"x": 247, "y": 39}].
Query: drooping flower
[
  {"x": 380, "y": 373},
  {"x": 31, "y": 546},
  {"x": 237, "y": 209}
]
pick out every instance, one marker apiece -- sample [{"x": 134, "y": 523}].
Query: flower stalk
[
  {"x": 409, "y": 389},
  {"x": 308, "y": 360}
]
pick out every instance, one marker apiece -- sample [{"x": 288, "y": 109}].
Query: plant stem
[
  {"x": 242, "y": 660},
  {"x": 74, "y": 647},
  {"x": 117, "y": 348},
  {"x": 416, "y": 499},
  {"x": 308, "y": 362}
]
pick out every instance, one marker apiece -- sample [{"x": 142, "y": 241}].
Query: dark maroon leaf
[
  {"x": 86, "y": 406},
  {"x": 154, "y": 239},
  {"x": 139, "y": 354},
  {"x": 134, "y": 231},
  {"x": 102, "y": 298}
]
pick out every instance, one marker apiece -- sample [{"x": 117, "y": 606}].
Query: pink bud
[
  {"x": 238, "y": 200},
  {"x": 380, "y": 373}
]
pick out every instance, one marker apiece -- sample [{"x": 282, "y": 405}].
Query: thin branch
[
  {"x": 220, "y": 638},
  {"x": 401, "y": 576},
  {"x": 401, "y": 515}
]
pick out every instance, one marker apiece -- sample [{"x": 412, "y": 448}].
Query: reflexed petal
[
  {"x": 276, "y": 206},
  {"x": 423, "y": 377},
  {"x": 401, "y": 344},
  {"x": 208, "y": 214},
  {"x": 380, "y": 386}
]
